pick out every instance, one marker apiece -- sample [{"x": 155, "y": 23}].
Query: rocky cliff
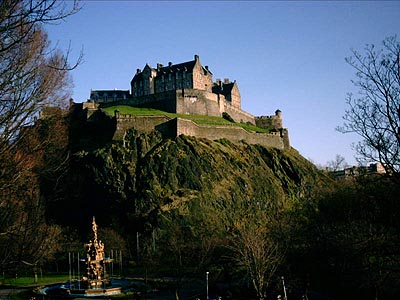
[{"x": 144, "y": 174}]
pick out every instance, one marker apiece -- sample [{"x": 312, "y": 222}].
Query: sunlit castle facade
[{"x": 186, "y": 88}]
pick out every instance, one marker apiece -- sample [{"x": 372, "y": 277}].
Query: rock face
[{"x": 144, "y": 174}]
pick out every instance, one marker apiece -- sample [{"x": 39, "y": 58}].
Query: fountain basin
[{"x": 72, "y": 290}]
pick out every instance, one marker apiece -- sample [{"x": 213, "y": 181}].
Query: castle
[{"x": 188, "y": 88}]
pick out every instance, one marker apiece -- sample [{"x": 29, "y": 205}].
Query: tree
[
  {"x": 253, "y": 228},
  {"x": 25, "y": 237},
  {"x": 345, "y": 240},
  {"x": 258, "y": 250},
  {"x": 33, "y": 75},
  {"x": 339, "y": 163},
  {"x": 375, "y": 113}
]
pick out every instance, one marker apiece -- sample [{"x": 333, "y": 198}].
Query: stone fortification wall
[
  {"x": 232, "y": 133},
  {"x": 191, "y": 101},
  {"x": 171, "y": 128},
  {"x": 144, "y": 124},
  {"x": 239, "y": 115},
  {"x": 270, "y": 121},
  {"x": 90, "y": 107}
]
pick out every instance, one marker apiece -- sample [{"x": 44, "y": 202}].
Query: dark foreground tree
[
  {"x": 374, "y": 114},
  {"x": 32, "y": 76},
  {"x": 346, "y": 240}
]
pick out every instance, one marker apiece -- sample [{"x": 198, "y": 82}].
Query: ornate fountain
[
  {"x": 95, "y": 261},
  {"x": 96, "y": 282}
]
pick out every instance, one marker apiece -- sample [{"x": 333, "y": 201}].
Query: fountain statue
[
  {"x": 95, "y": 260},
  {"x": 96, "y": 282}
]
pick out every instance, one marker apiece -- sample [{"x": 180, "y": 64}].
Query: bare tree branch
[{"x": 375, "y": 113}]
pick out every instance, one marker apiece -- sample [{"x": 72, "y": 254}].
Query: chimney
[
  {"x": 169, "y": 64},
  {"x": 137, "y": 71},
  {"x": 196, "y": 57},
  {"x": 159, "y": 66},
  {"x": 226, "y": 80}
]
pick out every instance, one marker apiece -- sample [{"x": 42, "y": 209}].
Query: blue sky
[{"x": 283, "y": 55}]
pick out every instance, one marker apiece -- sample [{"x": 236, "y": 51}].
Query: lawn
[
  {"x": 198, "y": 119},
  {"x": 26, "y": 281}
]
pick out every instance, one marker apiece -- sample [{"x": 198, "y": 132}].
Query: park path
[{"x": 5, "y": 293}]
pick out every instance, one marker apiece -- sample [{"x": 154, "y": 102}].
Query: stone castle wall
[
  {"x": 238, "y": 115},
  {"x": 269, "y": 121},
  {"x": 145, "y": 124},
  {"x": 171, "y": 128},
  {"x": 196, "y": 102},
  {"x": 232, "y": 133}
]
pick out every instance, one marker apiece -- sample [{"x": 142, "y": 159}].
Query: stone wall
[
  {"x": 195, "y": 102},
  {"x": 171, "y": 128},
  {"x": 270, "y": 122},
  {"x": 232, "y": 133},
  {"x": 239, "y": 115},
  {"x": 144, "y": 124}
]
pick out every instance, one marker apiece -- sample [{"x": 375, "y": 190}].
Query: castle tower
[{"x": 278, "y": 114}]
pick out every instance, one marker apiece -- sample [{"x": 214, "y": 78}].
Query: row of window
[
  {"x": 162, "y": 80},
  {"x": 159, "y": 88}
]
